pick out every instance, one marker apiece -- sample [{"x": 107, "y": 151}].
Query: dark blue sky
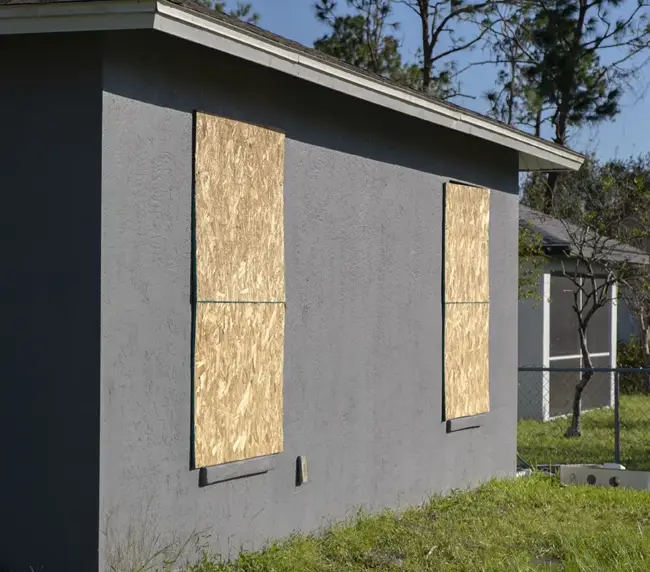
[{"x": 628, "y": 134}]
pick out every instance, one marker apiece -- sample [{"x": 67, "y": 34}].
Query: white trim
[
  {"x": 546, "y": 345},
  {"x": 534, "y": 154},
  {"x": 578, "y": 356},
  {"x": 77, "y": 16},
  {"x": 614, "y": 324},
  {"x": 62, "y": 9},
  {"x": 219, "y": 35},
  {"x": 613, "y": 347}
]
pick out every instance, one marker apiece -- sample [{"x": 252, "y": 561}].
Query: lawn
[
  {"x": 544, "y": 442},
  {"x": 524, "y": 524}
]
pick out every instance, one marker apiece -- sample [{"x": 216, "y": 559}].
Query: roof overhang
[{"x": 534, "y": 154}]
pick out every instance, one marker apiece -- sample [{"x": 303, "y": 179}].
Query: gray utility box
[{"x": 598, "y": 475}]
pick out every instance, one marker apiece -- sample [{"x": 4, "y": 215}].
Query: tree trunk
[
  {"x": 511, "y": 95},
  {"x": 561, "y": 126},
  {"x": 427, "y": 48},
  {"x": 549, "y": 189},
  {"x": 575, "y": 429}
]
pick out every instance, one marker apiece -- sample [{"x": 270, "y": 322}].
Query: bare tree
[
  {"x": 606, "y": 221},
  {"x": 439, "y": 25}
]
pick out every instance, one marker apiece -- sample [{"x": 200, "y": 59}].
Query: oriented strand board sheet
[
  {"x": 467, "y": 221},
  {"x": 467, "y": 379},
  {"x": 238, "y": 382},
  {"x": 239, "y": 211}
]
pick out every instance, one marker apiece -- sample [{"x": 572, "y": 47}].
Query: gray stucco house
[{"x": 229, "y": 258}]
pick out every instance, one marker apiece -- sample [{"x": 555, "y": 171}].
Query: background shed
[{"x": 548, "y": 332}]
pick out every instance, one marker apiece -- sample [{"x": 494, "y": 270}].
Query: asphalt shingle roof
[{"x": 556, "y": 238}]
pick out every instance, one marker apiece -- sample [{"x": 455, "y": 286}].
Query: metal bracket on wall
[
  {"x": 302, "y": 472},
  {"x": 236, "y": 470},
  {"x": 465, "y": 423}
]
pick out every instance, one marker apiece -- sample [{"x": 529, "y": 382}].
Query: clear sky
[{"x": 628, "y": 134}]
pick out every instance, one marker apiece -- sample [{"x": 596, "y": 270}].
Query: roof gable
[{"x": 193, "y": 22}]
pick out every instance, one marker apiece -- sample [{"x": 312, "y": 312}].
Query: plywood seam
[
  {"x": 466, "y": 297},
  {"x": 241, "y": 302},
  {"x": 239, "y": 297}
]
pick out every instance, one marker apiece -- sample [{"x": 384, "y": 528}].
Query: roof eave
[{"x": 534, "y": 154}]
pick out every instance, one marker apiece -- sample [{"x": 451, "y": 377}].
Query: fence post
[{"x": 617, "y": 419}]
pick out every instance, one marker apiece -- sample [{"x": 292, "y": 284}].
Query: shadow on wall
[
  {"x": 289, "y": 104},
  {"x": 50, "y": 173}
]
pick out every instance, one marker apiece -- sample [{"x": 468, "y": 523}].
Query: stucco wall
[
  {"x": 50, "y": 159},
  {"x": 362, "y": 382},
  {"x": 363, "y": 207}
]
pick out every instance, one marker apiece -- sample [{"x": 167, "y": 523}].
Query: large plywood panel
[
  {"x": 467, "y": 221},
  {"x": 467, "y": 379},
  {"x": 239, "y": 211},
  {"x": 238, "y": 382}
]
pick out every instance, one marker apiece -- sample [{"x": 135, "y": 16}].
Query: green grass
[
  {"x": 544, "y": 442},
  {"x": 524, "y": 524}
]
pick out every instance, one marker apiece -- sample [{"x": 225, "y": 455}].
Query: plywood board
[
  {"x": 238, "y": 382},
  {"x": 239, "y": 211},
  {"x": 467, "y": 379},
  {"x": 467, "y": 221}
]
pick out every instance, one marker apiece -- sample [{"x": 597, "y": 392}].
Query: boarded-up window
[
  {"x": 239, "y": 313},
  {"x": 467, "y": 307}
]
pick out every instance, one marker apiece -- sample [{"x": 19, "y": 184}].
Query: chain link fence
[{"x": 614, "y": 415}]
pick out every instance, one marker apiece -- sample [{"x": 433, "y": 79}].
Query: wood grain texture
[
  {"x": 238, "y": 382},
  {"x": 239, "y": 211},
  {"x": 467, "y": 359},
  {"x": 467, "y": 222}
]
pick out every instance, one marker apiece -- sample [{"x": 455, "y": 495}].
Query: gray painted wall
[
  {"x": 50, "y": 161},
  {"x": 363, "y": 208},
  {"x": 106, "y": 343}
]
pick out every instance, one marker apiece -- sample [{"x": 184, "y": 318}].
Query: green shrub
[{"x": 630, "y": 355}]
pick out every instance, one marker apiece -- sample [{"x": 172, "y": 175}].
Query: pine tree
[
  {"x": 567, "y": 63},
  {"x": 243, "y": 10}
]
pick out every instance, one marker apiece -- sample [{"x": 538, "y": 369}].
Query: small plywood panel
[
  {"x": 239, "y": 206},
  {"x": 467, "y": 377},
  {"x": 467, "y": 221},
  {"x": 238, "y": 382}
]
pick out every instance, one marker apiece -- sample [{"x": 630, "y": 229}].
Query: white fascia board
[
  {"x": 76, "y": 16},
  {"x": 534, "y": 154}
]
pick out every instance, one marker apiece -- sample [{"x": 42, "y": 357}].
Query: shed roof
[
  {"x": 556, "y": 238},
  {"x": 192, "y": 21}
]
